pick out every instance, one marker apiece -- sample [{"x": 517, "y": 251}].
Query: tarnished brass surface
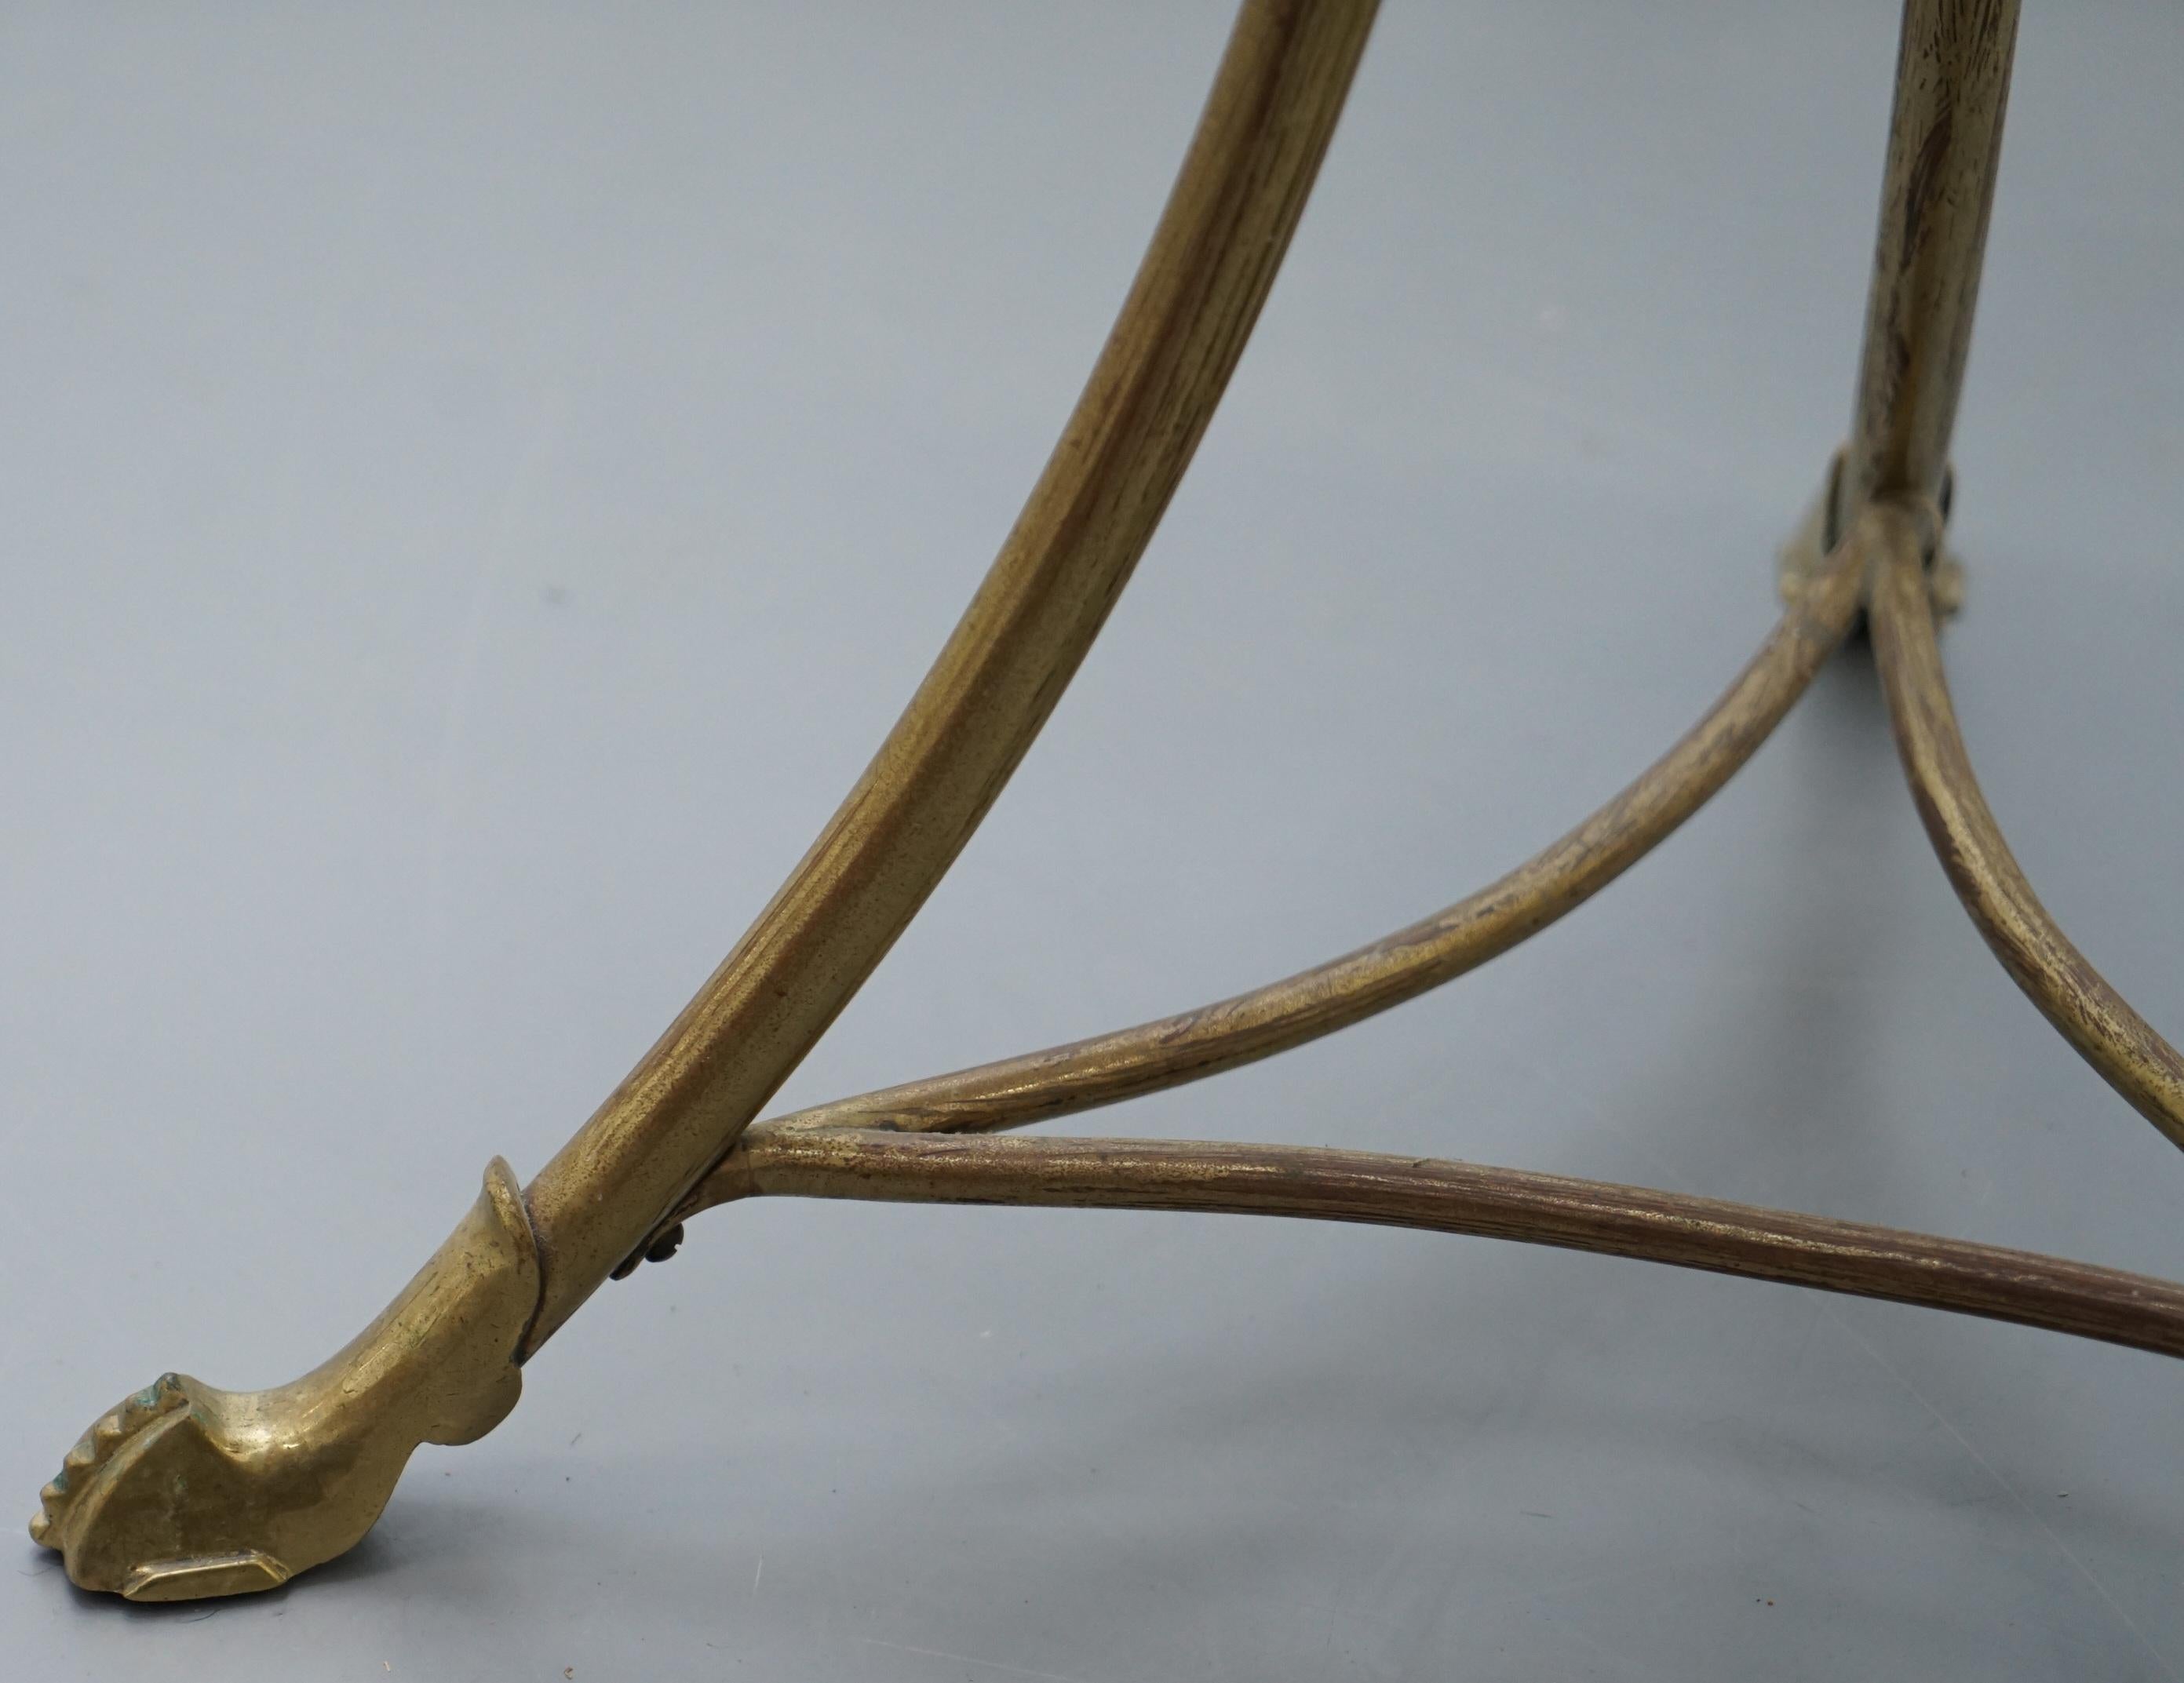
[
  {"x": 188, "y": 1490},
  {"x": 1170, "y": 1050},
  {"x": 1937, "y": 193},
  {"x": 1455, "y": 1197},
  {"x": 2093, "y": 1017},
  {"x": 1227, "y": 224},
  {"x": 184, "y": 1490}
]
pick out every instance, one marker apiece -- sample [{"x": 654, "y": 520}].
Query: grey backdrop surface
[{"x": 477, "y": 488}]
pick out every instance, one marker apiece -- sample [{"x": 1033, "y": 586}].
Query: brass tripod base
[{"x": 186, "y": 1490}]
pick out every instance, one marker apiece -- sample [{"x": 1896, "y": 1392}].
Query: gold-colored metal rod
[
  {"x": 1453, "y": 1197},
  {"x": 1944, "y": 144},
  {"x": 2093, "y": 1017},
  {"x": 1061, "y": 1080},
  {"x": 1228, "y": 221}
]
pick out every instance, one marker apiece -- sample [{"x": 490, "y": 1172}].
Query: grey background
[{"x": 477, "y": 488}]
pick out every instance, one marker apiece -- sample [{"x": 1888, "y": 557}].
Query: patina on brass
[
  {"x": 184, "y": 1490},
  {"x": 2091, "y": 1016},
  {"x": 1386, "y": 1190},
  {"x": 1212, "y": 258},
  {"x": 1229, "y": 219},
  {"x": 1190, "y": 1045},
  {"x": 1944, "y": 147}
]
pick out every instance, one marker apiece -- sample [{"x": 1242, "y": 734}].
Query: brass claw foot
[{"x": 185, "y": 1490}]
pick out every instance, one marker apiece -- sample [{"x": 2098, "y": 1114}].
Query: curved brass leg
[
  {"x": 1454, "y": 1197},
  {"x": 1198, "y": 291},
  {"x": 2093, "y": 1017},
  {"x": 213, "y": 1492}
]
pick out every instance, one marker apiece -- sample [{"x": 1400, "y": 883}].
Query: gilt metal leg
[
  {"x": 1265, "y": 126},
  {"x": 1944, "y": 144},
  {"x": 184, "y": 1490},
  {"x": 2089, "y": 1013},
  {"x": 1212, "y": 259}
]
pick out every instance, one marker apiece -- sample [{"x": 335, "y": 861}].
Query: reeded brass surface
[
  {"x": 1453, "y": 1197},
  {"x": 248, "y": 1517},
  {"x": 2093, "y": 1017},
  {"x": 1189, "y": 1045},
  {"x": 1228, "y": 222},
  {"x": 183, "y": 1490}
]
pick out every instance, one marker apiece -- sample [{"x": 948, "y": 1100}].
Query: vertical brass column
[{"x": 1944, "y": 143}]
